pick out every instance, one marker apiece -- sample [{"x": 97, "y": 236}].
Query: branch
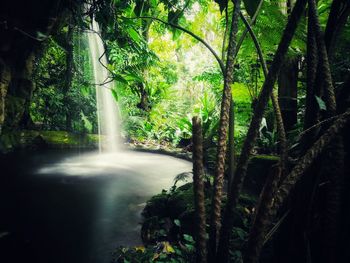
[
  {"x": 221, "y": 64},
  {"x": 311, "y": 155},
  {"x": 279, "y": 119},
  {"x": 245, "y": 32}
]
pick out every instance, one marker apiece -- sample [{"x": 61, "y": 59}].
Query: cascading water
[{"x": 107, "y": 108}]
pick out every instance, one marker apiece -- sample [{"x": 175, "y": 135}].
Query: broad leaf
[
  {"x": 134, "y": 35},
  {"x": 115, "y": 94},
  {"x": 321, "y": 103},
  {"x": 120, "y": 79}
]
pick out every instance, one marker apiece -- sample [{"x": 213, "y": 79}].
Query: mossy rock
[
  {"x": 162, "y": 210},
  {"x": 170, "y": 204},
  {"x": 10, "y": 140},
  {"x": 14, "y": 110}
]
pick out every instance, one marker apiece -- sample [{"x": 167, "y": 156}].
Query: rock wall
[
  {"x": 5, "y": 78},
  {"x": 24, "y": 27}
]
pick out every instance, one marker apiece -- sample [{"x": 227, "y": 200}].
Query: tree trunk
[
  {"x": 269, "y": 206},
  {"x": 287, "y": 92},
  {"x": 198, "y": 188},
  {"x": 311, "y": 107},
  {"x": 334, "y": 157},
  {"x": 310, "y": 156},
  {"x": 325, "y": 72},
  {"x": 254, "y": 128},
  {"x": 215, "y": 219},
  {"x": 340, "y": 10},
  {"x": 231, "y": 144}
]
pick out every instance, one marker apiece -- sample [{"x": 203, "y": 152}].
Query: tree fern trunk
[
  {"x": 254, "y": 128},
  {"x": 262, "y": 217},
  {"x": 323, "y": 60},
  {"x": 215, "y": 219},
  {"x": 198, "y": 187},
  {"x": 334, "y": 156},
  {"x": 270, "y": 201},
  {"x": 311, "y": 108},
  {"x": 310, "y": 156},
  {"x": 340, "y": 10}
]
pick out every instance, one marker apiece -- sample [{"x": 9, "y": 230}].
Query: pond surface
[{"x": 65, "y": 207}]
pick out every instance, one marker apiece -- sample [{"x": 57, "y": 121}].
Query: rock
[{"x": 39, "y": 142}]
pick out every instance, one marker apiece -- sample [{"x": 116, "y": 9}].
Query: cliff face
[{"x": 24, "y": 26}]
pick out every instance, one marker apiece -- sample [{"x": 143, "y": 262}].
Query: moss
[
  {"x": 52, "y": 139},
  {"x": 265, "y": 158}
]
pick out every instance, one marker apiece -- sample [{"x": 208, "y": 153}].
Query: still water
[{"x": 65, "y": 207}]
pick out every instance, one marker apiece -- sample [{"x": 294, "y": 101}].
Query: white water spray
[{"x": 107, "y": 108}]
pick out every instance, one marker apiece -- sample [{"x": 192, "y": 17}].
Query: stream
[{"x": 65, "y": 206}]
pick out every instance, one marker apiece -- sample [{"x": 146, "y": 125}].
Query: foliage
[
  {"x": 161, "y": 252},
  {"x": 49, "y": 107},
  {"x": 169, "y": 217}
]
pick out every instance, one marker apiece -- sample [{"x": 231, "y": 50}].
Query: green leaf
[
  {"x": 177, "y": 222},
  {"x": 41, "y": 36},
  {"x": 321, "y": 103},
  {"x": 188, "y": 238},
  {"x": 120, "y": 79},
  {"x": 134, "y": 35},
  {"x": 153, "y": 3},
  {"x": 115, "y": 94},
  {"x": 130, "y": 76}
]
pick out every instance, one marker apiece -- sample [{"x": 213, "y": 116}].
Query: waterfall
[{"x": 107, "y": 108}]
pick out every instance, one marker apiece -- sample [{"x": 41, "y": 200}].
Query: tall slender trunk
[
  {"x": 198, "y": 188},
  {"x": 254, "y": 128},
  {"x": 334, "y": 157},
  {"x": 311, "y": 108},
  {"x": 323, "y": 60},
  {"x": 215, "y": 219},
  {"x": 338, "y": 15},
  {"x": 231, "y": 144},
  {"x": 287, "y": 92}
]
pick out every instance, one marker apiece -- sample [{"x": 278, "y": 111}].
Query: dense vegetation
[{"x": 225, "y": 80}]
